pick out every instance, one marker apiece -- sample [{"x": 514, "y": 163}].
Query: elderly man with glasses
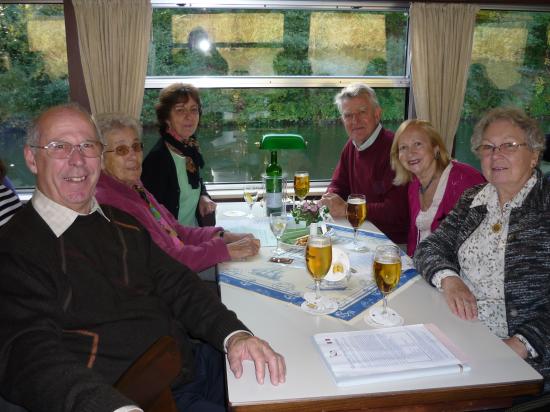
[{"x": 84, "y": 291}]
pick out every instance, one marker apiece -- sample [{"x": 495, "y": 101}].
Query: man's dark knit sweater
[{"x": 77, "y": 310}]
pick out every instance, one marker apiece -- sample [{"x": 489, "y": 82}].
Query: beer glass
[
  {"x": 318, "y": 261},
  {"x": 251, "y": 193},
  {"x": 386, "y": 270},
  {"x": 301, "y": 184},
  {"x": 356, "y": 212},
  {"x": 278, "y": 222}
]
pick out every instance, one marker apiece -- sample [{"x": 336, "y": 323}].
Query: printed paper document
[{"x": 403, "y": 352}]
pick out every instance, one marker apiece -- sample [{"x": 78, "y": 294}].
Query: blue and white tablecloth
[{"x": 288, "y": 283}]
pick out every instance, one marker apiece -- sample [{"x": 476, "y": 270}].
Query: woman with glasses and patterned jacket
[
  {"x": 171, "y": 170},
  {"x": 119, "y": 185},
  {"x": 491, "y": 256}
]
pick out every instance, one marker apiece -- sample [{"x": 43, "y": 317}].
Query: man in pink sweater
[{"x": 364, "y": 165}]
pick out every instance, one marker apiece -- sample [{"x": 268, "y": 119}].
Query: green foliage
[
  {"x": 532, "y": 91},
  {"x": 481, "y": 93},
  {"x": 25, "y": 84}
]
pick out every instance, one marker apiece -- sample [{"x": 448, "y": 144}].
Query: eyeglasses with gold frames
[
  {"x": 506, "y": 148},
  {"x": 124, "y": 149}
]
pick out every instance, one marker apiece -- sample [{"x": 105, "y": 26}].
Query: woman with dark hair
[
  {"x": 9, "y": 202},
  {"x": 171, "y": 170}
]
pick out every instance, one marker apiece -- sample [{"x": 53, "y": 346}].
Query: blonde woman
[{"x": 418, "y": 155}]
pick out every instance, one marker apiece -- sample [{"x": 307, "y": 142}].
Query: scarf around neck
[{"x": 193, "y": 158}]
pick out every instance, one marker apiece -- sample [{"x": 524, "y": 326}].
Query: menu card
[{"x": 388, "y": 354}]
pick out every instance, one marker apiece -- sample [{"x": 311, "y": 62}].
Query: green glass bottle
[{"x": 273, "y": 185}]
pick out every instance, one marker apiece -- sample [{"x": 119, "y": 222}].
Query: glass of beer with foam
[
  {"x": 356, "y": 212},
  {"x": 318, "y": 256},
  {"x": 301, "y": 184},
  {"x": 386, "y": 270}
]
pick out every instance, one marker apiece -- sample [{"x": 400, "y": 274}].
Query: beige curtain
[
  {"x": 441, "y": 49},
  {"x": 114, "y": 38}
]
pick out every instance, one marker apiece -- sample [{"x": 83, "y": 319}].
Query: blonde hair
[{"x": 402, "y": 175}]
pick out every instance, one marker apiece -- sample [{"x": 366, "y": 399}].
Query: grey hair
[
  {"x": 107, "y": 122},
  {"x": 356, "y": 90},
  {"x": 533, "y": 134},
  {"x": 33, "y": 132}
]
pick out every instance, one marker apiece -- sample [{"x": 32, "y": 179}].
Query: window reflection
[
  {"x": 33, "y": 76},
  {"x": 278, "y": 42}
]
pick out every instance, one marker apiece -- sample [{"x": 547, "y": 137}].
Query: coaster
[
  {"x": 392, "y": 318},
  {"x": 325, "y": 307}
]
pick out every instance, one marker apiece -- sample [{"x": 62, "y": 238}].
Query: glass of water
[{"x": 277, "y": 222}]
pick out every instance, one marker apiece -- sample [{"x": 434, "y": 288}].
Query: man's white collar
[
  {"x": 58, "y": 217},
  {"x": 372, "y": 138}
]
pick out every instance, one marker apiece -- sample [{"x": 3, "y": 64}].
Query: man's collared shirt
[
  {"x": 59, "y": 218},
  {"x": 372, "y": 138}
]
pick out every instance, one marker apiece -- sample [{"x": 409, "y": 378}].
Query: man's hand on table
[
  {"x": 243, "y": 346},
  {"x": 460, "y": 299},
  {"x": 336, "y": 205}
]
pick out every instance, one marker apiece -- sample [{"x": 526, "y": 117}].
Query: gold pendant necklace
[{"x": 496, "y": 227}]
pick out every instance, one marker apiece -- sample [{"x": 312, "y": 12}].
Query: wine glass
[
  {"x": 318, "y": 262},
  {"x": 301, "y": 184},
  {"x": 277, "y": 222},
  {"x": 387, "y": 271},
  {"x": 251, "y": 193},
  {"x": 356, "y": 212}
]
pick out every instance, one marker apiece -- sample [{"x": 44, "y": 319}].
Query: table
[{"x": 497, "y": 373}]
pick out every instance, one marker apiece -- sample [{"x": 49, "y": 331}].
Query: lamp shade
[{"x": 275, "y": 141}]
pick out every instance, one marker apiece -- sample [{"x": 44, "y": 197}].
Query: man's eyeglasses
[
  {"x": 124, "y": 149},
  {"x": 63, "y": 150},
  {"x": 350, "y": 115},
  {"x": 506, "y": 148}
]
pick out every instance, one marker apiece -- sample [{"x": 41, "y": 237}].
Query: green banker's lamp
[{"x": 273, "y": 177}]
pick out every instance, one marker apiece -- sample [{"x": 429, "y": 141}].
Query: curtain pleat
[
  {"x": 441, "y": 50},
  {"x": 114, "y": 38}
]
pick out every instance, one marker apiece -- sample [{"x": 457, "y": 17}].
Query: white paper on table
[
  {"x": 402, "y": 352},
  {"x": 259, "y": 227}
]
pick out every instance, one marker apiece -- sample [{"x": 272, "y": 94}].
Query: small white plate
[
  {"x": 234, "y": 213},
  {"x": 340, "y": 266}
]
